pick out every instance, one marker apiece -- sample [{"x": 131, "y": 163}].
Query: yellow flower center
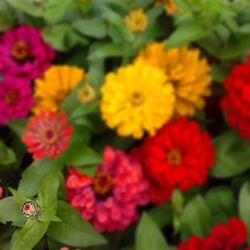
[
  {"x": 103, "y": 184},
  {"x": 10, "y": 97},
  {"x": 174, "y": 157},
  {"x": 86, "y": 94},
  {"x": 137, "y": 99},
  {"x": 20, "y": 51}
]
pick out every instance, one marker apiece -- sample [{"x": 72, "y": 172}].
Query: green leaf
[
  {"x": 93, "y": 27},
  {"x": 96, "y": 72},
  {"x": 232, "y": 155},
  {"x": 244, "y": 206},
  {"x": 7, "y": 156},
  {"x": 185, "y": 35},
  {"x": 245, "y": 29},
  {"x": 32, "y": 176},
  {"x": 73, "y": 230},
  {"x": 73, "y": 38},
  {"x": 18, "y": 126},
  {"x": 222, "y": 203},
  {"x": 55, "y": 35},
  {"x": 10, "y": 211},
  {"x": 19, "y": 197},
  {"x": 85, "y": 109},
  {"x": 26, "y": 6},
  {"x": 29, "y": 235},
  {"x": 196, "y": 219},
  {"x": 162, "y": 215},
  {"x": 149, "y": 236}
]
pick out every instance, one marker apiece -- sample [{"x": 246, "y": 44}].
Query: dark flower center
[
  {"x": 20, "y": 51},
  {"x": 26, "y": 207},
  {"x": 174, "y": 157},
  {"x": 10, "y": 97},
  {"x": 137, "y": 99},
  {"x": 103, "y": 184},
  {"x": 50, "y": 136}
]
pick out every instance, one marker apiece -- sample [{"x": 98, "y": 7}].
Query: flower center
[
  {"x": 10, "y": 97},
  {"x": 50, "y": 137},
  {"x": 26, "y": 207},
  {"x": 20, "y": 51},
  {"x": 103, "y": 184},
  {"x": 137, "y": 99},
  {"x": 174, "y": 157}
]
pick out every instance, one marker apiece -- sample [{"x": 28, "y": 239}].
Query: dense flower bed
[{"x": 125, "y": 125}]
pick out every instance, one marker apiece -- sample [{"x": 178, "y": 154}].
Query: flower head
[
  {"x": 86, "y": 94},
  {"x": 30, "y": 209},
  {"x": 55, "y": 85},
  {"x": 15, "y": 98},
  {"x": 109, "y": 200},
  {"x": 178, "y": 156},
  {"x": 171, "y": 7},
  {"x": 188, "y": 74},
  {"x": 237, "y": 101},
  {"x": 137, "y": 98},
  {"x": 47, "y": 134},
  {"x": 136, "y": 21},
  {"x": 23, "y": 53}
]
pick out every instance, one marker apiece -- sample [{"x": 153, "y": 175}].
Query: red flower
[
  {"x": 237, "y": 101},
  {"x": 178, "y": 156},
  {"x": 230, "y": 236}
]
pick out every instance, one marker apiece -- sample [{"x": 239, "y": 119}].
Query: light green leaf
[
  {"x": 149, "y": 236},
  {"x": 73, "y": 230},
  {"x": 7, "y": 156}
]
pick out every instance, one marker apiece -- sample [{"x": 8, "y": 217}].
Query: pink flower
[
  {"x": 64, "y": 248},
  {"x": 1, "y": 192},
  {"x": 109, "y": 200},
  {"x": 15, "y": 98},
  {"x": 24, "y": 53},
  {"x": 47, "y": 134}
]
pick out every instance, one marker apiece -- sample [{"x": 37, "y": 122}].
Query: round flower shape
[
  {"x": 236, "y": 103},
  {"x": 193, "y": 243},
  {"x": 15, "y": 98},
  {"x": 109, "y": 200},
  {"x": 188, "y": 74},
  {"x": 24, "y": 53},
  {"x": 136, "y": 21},
  {"x": 30, "y": 210},
  {"x": 47, "y": 134},
  {"x": 178, "y": 156},
  {"x": 137, "y": 98},
  {"x": 86, "y": 94},
  {"x": 55, "y": 85}
]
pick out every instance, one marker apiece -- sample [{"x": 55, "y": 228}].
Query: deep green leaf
[
  {"x": 7, "y": 156},
  {"x": 18, "y": 126},
  {"x": 162, "y": 215}
]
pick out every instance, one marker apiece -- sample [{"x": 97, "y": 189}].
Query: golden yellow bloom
[
  {"x": 137, "y": 98},
  {"x": 136, "y": 21},
  {"x": 55, "y": 85},
  {"x": 86, "y": 94},
  {"x": 189, "y": 75}
]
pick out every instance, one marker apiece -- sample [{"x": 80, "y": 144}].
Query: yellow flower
[
  {"x": 137, "y": 98},
  {"x": 86, "y": 94},
  {"x": 136, "y": 21},
  {"x": 56, "y": 83},
  {"x": 189, "y": 75}
]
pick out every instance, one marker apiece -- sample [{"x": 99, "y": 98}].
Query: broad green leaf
[
  {"x": 232, "y": 155},
  {"x": 73, "y": 230},
  {"x": 222, "y": 203},
  {"x": 185, "y": 35},
  {"x": 32, "y": 176},
  {"x": 149, "y": 236},
  {"x": 6, "y": 22},
  {"x": 10, "y": 211},
  {"x": 196, "y": 219},
  {"x": 27, "y": 6},
  {"x": 93, "y": 27},
  {"x": 18, "y": 126},
  {"x": 85, "y": 109},
  {"x": 244, "y": 205},
  {"x": 29, "y": 235},
  {"x": 96, "y": 73},
  {"x": 7, "y": 156},
  {"x": 162, "y": 215},
  {"x": 19, "y": 197},
  {"x": 55, "y": 35},
  {"x": 72, "y": 39},
  {"x": 245, "y": 29}
]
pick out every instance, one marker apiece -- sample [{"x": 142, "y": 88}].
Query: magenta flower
[
  {"x": 24, "y": 53},
  {"x": 15, "y": 99},
  {"x": 109, "y": 200}
]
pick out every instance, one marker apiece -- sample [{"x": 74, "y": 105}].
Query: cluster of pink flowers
[{"x": 24, "y": 56}]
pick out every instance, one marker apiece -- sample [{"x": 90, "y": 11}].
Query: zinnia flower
[
  {"x": 86, "y": 94},
  {"x": 136, "y": 21},
  {"x": 137, "y": 98},
  {"x": 55, "y": 86},
  {"x": 170, "y": 6},
  {"x": 178, "y": 156},
  {"x": 109, "y": 200},
  {"x": 24, "y": 53},
  {"x": 47, "y": 134},
  {"x": 230, "y": 236},
  {"x": 188, "y": 74},
  {"x": 237, "y": 101},
  {"x": 15, "y": 98}
]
